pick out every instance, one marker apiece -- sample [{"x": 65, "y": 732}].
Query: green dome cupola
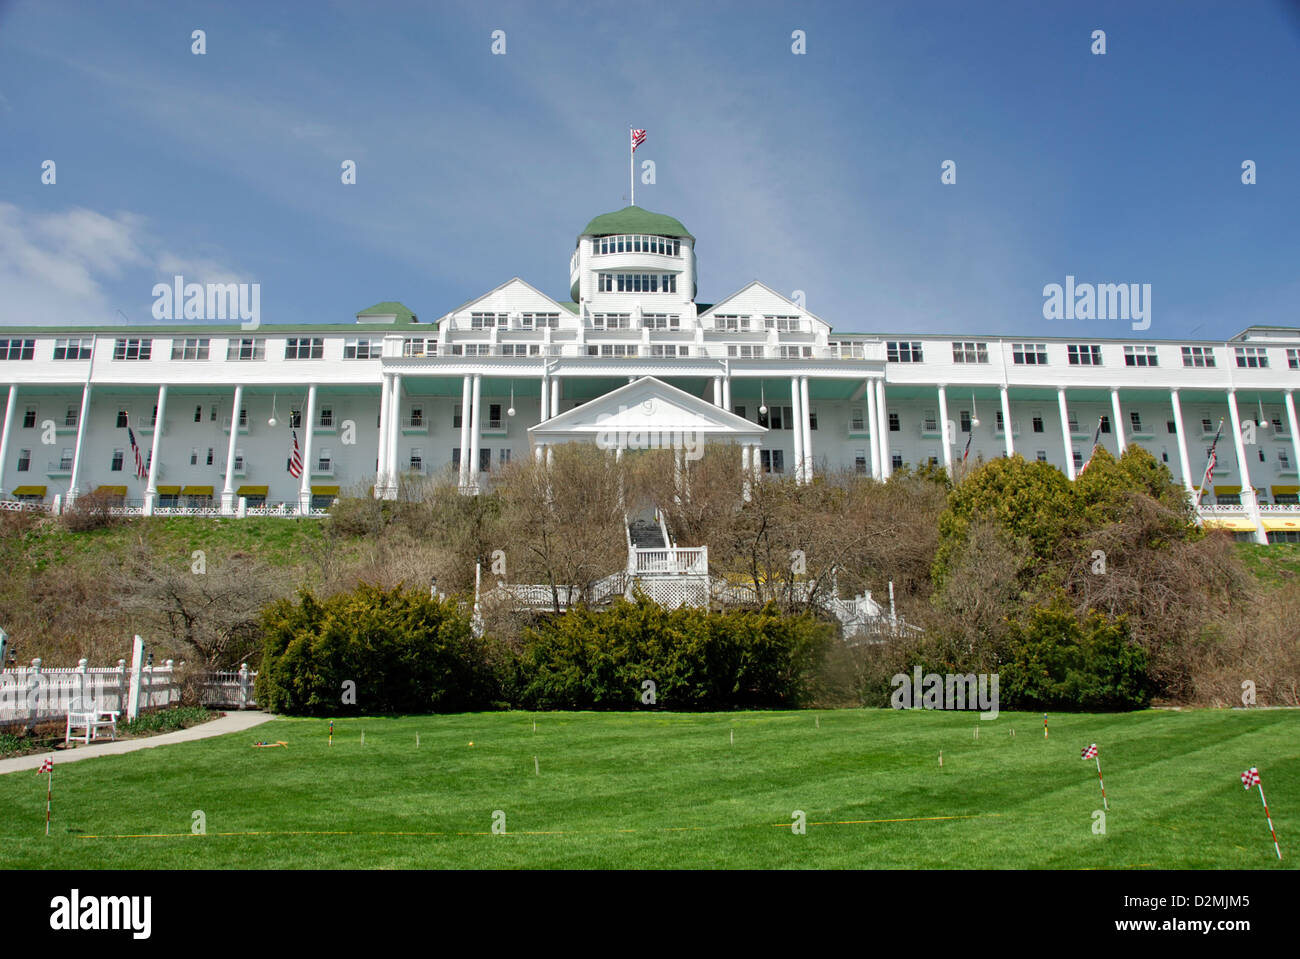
[{"x": 633, "y": 219}]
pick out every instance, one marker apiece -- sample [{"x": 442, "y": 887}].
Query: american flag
[
  {"x": 295, "y": 459},
  {"x": 966, "y": 452},
  {"x": 1096, "y": 439},
  {"x": 46, "y": 767},
  {"x": 1090, "y": 751},
  {"x": 1208, "y": 479},
  {"x": 140, "y": 470},
  {"x": 638, "y": 138},
  {"x": 1250, "y": 777}
]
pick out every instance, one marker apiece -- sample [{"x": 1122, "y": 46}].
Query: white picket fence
[{"x": 31, "y": 694}]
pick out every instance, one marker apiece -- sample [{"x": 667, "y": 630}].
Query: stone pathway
[{"x": 233, "y": 722}]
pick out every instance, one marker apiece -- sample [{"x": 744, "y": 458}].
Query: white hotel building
[{"x": 512, "y": 371}]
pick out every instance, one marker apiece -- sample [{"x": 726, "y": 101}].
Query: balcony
[
  {"x": 494, "y": 427},
  {"x": 66, "y": 427},
  {"x": 327, "y": 424},
  {"x": 62, "y": 467},
  {"x": 225, "y": 425},
  {"x": 415, "y": 424},
  {"x": 323, "y": 468},
  {"x": 669, "y": 562}
]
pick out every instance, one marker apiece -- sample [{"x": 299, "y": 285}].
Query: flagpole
[
  {"x": 1276, "y": 847},
  {"x": 1105, "y": 805},
  {"x": 49, "y": 789},
  {"x": 631, "y": 176}
]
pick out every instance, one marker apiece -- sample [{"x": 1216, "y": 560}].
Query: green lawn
[{"x": 661, "y": 790}]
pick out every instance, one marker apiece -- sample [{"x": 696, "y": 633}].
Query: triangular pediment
[{"x": 648, "y": 405}]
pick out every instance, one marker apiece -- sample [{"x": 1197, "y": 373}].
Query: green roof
[
  {"x": 390, "y": 308},
  {"x": 633, "y": 219}
]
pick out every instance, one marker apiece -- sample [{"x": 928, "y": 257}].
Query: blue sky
[{"x": 818, "y": 172}]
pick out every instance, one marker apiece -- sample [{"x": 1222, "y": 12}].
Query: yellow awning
[
  {"x": 1285, "y": 490},
  {"x": 29, "y": 490},
  {"x": 1232, "y": 523},
  {"x": 1229, "y": 490},
  {"x": 1275, "y": 524},
  {"x": 197, "y": 491},
  {"x": 112, "y": 490},
  {"x": 252, "y": 491},
  {"x": 324, "y": 491},
  {"x": 169, "y": 491}
]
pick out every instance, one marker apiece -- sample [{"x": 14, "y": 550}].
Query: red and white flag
[
  {"x": 47, "y": 766},
  {"x": 1250, "y": 777},
  {"x": 638, "y": 138},
  {"x": 1090, "y": 752},
  {"x": 295, "y": 458}
]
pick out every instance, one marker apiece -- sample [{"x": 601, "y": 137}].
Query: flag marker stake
[
  {"x": 536, "y": 768},
  {"x": 1092, "y": 752},
  {"x": 47, "y": 767},
  {"x": 1251, "y": 778},
  {"x": 1044, "y": 725},
  {"x": 331, "y": 742}
]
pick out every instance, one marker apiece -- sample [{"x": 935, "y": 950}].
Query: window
[
  {"x": 455, "y": 458},
  {"x": 24, "y": 460},
  {"x": 612, "y": 349},
  {"x": 1171, "y": 426},
  {"x": 1105, "y": 423},
  {"x": 896, "y": 459},
  {"x": 72, "y": 349},
  {"x": 1198, "y": 356},
  {"x": 29, "y": 418},
  {"x": 248, "y": 348},
  {"x": 239, "y": 461},
  {"x": 416, "y": 464},
  {"x": 485, "y": 321},
  {"x": 966, "y": 352},
  {"x": 1078, "y": 459},
  {"x": 1252, "y": 357},
  {"x": 420, "y": 346},
  {"x": 812, "y": 419},
  {"x": 295, "y": 419},
  {"x": 132, "y": 349},
  {"x": 1029, "y": 354},
  {"x": 1083, "y": 354},
  {"x": 1135, "y": 420},
  {"x": 860, "y": 461},
  {"x": 243, "y": 418},
  {"x": 455, "y": 417},
  {"x": 1140, "y": 356},
  {"x": 370, "y": 349},
  {"x": 503, "y": 457},
  {"x": 118, "y": 457},
  {"x": 772, "y": 461},
  {"x": 739, "y": 411},
  {"x": 999, "y": 424},
  {"x": 325, "y": 461},
  {"x": 857, "y": 421},
  {"x": 894, "y": 425},
  {"x": 964, "y": 417},
  {"x": 782, "y": 324},
  {"x": 1284, "y": 461},
  {"x": 485, "y": 460},
  {"x": 611, "y": 321},
  {"x": 1038, "y": 423},
  {"x": 17, "y": 349},
  {"x": 731, "y": 323},
  {"x": 194, "y": 456},
  {"x": 538, "y": 321},
  {"x": 121, "y": 419},
  {"x": 674, "y": 349},
  {"x": 1041, "y": 456},
  {"x": 70, "y": 416},
  {"x": 746, "y": 351},
  {"x": 191, "y": 348},
  {"x": 903, "y": 352},
  {"x": 1073, "y": 419},
  {"x": 1293, "y": 359},
  {"x": 1207, "y": 425},
  {"x": 787, "y": 352},
  {"x": 494, "y": 416},
  {"x": 661, "y": 321},
  {"x": 198, "y": 414},
  {"x": 1227, "y": 499},
  {"x": 637, "y": 282},
  {"x": 634, "y": 243},
  {"x": 304, "y": 348}
]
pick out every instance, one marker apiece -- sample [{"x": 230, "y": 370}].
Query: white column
[
  {"x": 797, "y": 412},
  {"x": 74, "y": 483},
  {"x": 466, "y": 399},
  {"x": 395, "y": 431},
  {"x": 726, "y": 393},
  {"x": 806, "y": 426},
  {"x": 381, "y": 452},
  {"x": 873, "y": 439},
  {"x": 1290, "y": 419},
  {"x": 717, "y": 391},
  {"x": 228, "y": 488},
  {"x": 308, "y": 427},
  {"x": 544, "y": 409},
  {"x": 151, "y": 486},
  {"x": 555, "y": 396},
  {"x": 1065, "y": 433},
  {"x": 746, "y": 471},
  {"x": 1007, "y": 428},
  {"x": 474, "y": 432},
  {"x": 1183, "y": 463},
  {"x": 1117, "y": 416},
  {"x": 882, "y": 414},
  {"x": 4, "y": 436},
  {"x": 943, "y": 430},
  {"x": 1247, "y": 489}
]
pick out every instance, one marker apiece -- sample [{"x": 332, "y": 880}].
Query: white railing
[
  {"x": 187, "y": 510},
  {"x": 19, "y": 506},
  {"x": 669, "y": 562}
]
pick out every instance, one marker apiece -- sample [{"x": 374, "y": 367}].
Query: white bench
[{"x": 90, "y": 722}]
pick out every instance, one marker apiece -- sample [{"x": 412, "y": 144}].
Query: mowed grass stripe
[{"x": 621, "y": 790}]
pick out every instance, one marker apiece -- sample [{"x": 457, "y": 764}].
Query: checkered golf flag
[
  {"x": 1250, "y": 777},
  {"x": 46, "y": 767},
  {"x": 1090, "y": 752}
]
